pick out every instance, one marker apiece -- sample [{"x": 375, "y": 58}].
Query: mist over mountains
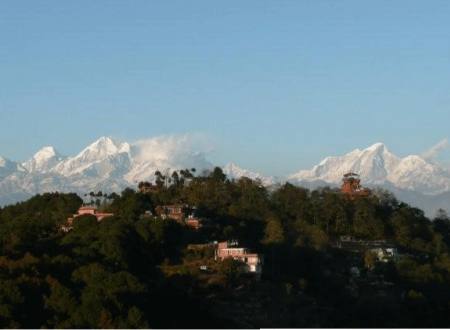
[{"x": 109, "y": 165}]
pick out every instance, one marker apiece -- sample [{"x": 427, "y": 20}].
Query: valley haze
[{"x": 110, "y": 165}]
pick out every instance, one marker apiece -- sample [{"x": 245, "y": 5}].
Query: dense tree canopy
[{"x": 130, "y": 271}]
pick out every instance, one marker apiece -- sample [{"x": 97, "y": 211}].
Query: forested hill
[{"x": 129, "y": 271}]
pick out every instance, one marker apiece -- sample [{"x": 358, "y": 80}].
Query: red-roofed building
[
  {"x": 194, "y": 222},
  {"x": 85, "y": 210}
]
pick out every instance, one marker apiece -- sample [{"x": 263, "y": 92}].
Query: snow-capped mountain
[
  {"x": 43, "y": 161},
  {"x": 98, "y": 159},
  {"x": 106, "y": 165},
  {"x": 235, "y": 172},
  {"x": 378, "y": 166},
  {"x": 415, "y": 173}
]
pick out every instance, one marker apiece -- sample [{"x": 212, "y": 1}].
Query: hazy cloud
[
  {"x": 184, "y": 150},
  {"x": 436, "y": 149}
]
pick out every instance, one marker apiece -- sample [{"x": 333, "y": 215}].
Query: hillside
[{"x": 132, "y": 270}]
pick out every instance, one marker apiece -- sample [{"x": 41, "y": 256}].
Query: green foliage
[
  {"x": 130, "y": 205},
  {"x": 110, "y": 274},
  {"x": 365, "y": 222},
  {"x": 310, "y": 236},
  {"x": 231, "y": 270},
  {"x": 274, "y": 233},
  {"x": 31, "y": 225}
]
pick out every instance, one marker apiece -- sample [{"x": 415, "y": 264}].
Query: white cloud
[
  {"x": 170, "y": 147},
  {"x": 435, "y": 150},
  {"x": 169, "y": 152}
]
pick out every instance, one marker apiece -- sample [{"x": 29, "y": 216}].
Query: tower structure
[{"x": 351, "y": 186}]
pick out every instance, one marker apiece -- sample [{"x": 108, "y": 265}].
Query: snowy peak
[
  {"x": 377, "y": 147},
  {"x": 46, "y": 152},
  {"x": 235, "y": 172},
  {"x": 415, "y": 173},
  {"x": 373, "y": 164},
  {"x": 377, "y": 165},
  {"x": 103, "y": 150},
  {"x": 43, "y": 161}
]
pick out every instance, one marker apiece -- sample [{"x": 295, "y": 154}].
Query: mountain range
[
  {"x": 413, "y": 179},
  {"x": 109, "y": 165},
  {"x": 378, "y": 166},
  {"x": 106, "y": 165}
]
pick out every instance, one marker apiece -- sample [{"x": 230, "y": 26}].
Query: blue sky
[{"x": 274, "y": 85}]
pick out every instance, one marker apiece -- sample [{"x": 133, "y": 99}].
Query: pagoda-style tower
[{"x": 351, "y": 186}]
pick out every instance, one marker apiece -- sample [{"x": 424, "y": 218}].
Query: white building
[{"x": 253, "y": 261}]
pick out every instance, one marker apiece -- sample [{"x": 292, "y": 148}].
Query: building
[
  {"x": 92, "y": 210},
  {"x": 384, "y": 250},
  {"x": 385, "y": 254},
  {"x": 175, "y": 212},
  {"x": 231, "y": 249},
  {"x": 147, "y": 187},
  {"x": 351, "y": 186},
  {"x": 178, "y": 213},
  {"x": 85, "y": 210},
  {"x": 353, "y": 244},
  {"x": 194, "y": 222}
]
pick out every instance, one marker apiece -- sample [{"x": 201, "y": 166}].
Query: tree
[
  {"x": 160, "y": 179},
  {"x": 310, "y": 235},
  {"x": 218, "y": 175},
  {"x": 441, "y": 214},
  {"x": 365, "y": 222},
  {"x": 175, "y": 178},
  {"x": 441, "y": 224},
  {"x": 274, "y": 233},
  {"x": 231, "y": 269}
]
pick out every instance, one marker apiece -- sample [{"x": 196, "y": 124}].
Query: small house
[
  {"x": 175, "y": 212},
  {"x": 231, "y": 249},
  {"x": 194, "y": 222}
]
